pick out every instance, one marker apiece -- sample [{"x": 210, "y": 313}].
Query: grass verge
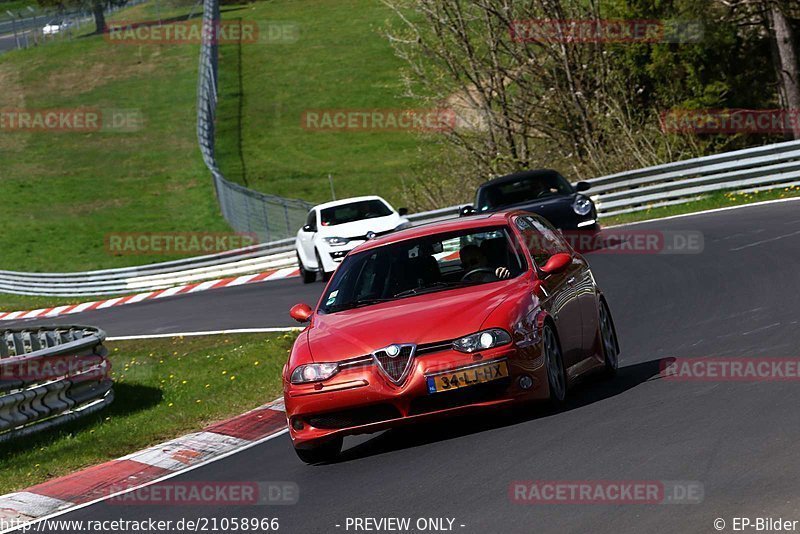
[
  {"x": 66, "y": 190},
  {"x": 164, "y": 388},
  {"x": 339, "y": 60}
]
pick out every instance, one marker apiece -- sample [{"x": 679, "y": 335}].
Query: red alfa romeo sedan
[{"x": 471, "y": 313}]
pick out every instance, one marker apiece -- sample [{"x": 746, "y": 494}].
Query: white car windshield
[{"x": 355, "y": 211}]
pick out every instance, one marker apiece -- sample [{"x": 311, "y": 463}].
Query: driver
[{"x": 472, "y": 257}]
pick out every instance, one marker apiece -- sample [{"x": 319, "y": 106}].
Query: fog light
[
  {"x": 525, "y": 382},
  {"x": 297, "y": 424}
]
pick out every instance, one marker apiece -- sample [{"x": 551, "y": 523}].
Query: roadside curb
[
  {"x": 144, "y": 467},
  {"x": 266, "y": 276}
]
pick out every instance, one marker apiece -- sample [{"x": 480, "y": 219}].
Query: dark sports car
[
  {"x": 544, "y": 192},
  {"x": 471, "y": 313}
]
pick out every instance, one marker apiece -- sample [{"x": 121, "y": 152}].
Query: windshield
[
  {"x": 523, "y": 190},
  {"x": 427, "y": 264},
  {"x": 356, "y": 211}
]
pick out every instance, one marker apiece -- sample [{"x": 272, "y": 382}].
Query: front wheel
[
  {"x": 556, "y": 377},
  {"x": 324, "y": 453},
  {"x": 609, "y": 338},
  {"x": 325, "y": 275},
  {"x": 307, "y": 276}
]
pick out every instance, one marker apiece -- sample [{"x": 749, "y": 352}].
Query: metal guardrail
[
  {"x": 765, "y": 167},
  {"x": 50, "y": 376}
]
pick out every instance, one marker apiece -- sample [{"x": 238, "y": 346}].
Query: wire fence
[{"x": 270, "y": 217}]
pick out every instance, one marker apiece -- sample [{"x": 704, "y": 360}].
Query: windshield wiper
[
  {"x": 354, "y": 304},
  {"x": 435, "y": 287}
]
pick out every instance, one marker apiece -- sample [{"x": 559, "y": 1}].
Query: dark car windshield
[
  {"x": 423, "y": 265},
  {"x": 526, "y": 189},
  {"x": 355, "y": 211}
]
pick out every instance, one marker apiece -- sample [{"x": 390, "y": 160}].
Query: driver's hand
[{"x": 502, "y": 273}]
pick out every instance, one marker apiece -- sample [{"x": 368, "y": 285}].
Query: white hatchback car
[{"x": 335, "y": 228}]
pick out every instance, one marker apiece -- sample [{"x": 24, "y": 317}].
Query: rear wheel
[
  {"x": 556, "y": 377},
  {"x": 307, "y": 276},
  {"x": 609, "y": 338},
  {"x": 324, "y": 453}
]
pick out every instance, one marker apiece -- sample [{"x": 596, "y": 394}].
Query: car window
[
  {"x": 427, "y": 264},
  {"x": 541, "y": 238},
  {"x": 311, "y": 221},
  {"x": 525, "y": 189},
  {"x": 355, "y": 211}
]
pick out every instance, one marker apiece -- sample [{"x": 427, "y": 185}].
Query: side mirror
[
  {"x": 582, "y": 186},
  {"x": 403, "y": 212},
  {"x": 466, "y": 211},
  {"x": 307, "y": 228},
  {"x": 557, "y": 263},
  {"x": 301, "y": 313}
]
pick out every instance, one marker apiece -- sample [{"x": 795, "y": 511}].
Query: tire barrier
[{"x": 51, "y": 375}]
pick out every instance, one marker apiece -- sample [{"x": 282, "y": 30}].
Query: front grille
[
  {"x": 395, "y": 367},
  {"x": 459, "y": 397},
  {"x": 438, "y": 346},
  {"x": 355, "y": 417}
]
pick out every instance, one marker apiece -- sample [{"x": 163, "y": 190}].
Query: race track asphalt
[{"x": 738, "y": 298}]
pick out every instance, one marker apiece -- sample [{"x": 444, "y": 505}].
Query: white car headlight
[
  {"x": 582, "y": 205},
  {"x": 483, "y": 340},
  {"x": 336, "y": 241},
  {"x": 314, "y": 372}
]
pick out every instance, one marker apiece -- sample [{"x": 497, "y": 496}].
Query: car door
[
  {"x": 306, "y": 239},
  {"x": 543, "y": 241},
  {"x": 586, "y": 293}
]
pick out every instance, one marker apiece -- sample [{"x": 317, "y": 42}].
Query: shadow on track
[{"x": 586, "y": 392}]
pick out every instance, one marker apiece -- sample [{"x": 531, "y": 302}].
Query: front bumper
[
  {"x": 362, "y": 400},
  {"x": 332, "y": 256}
]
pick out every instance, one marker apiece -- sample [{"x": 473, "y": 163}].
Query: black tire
[
  {"x": 307, "y": 276},
  {"x": 608, "y": 340},
  {"x": 556, "y": 376},
  {"x": 325, "y": 275},
  {"x": 325, "y": 453}
]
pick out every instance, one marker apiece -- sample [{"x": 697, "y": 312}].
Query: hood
[
  {"x": 360, "y": 228},
  {"x": 422, "y": 319},
  {"x": 555, "y": 207}
]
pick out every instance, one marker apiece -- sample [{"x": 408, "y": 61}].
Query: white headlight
[
  {"x": 482, "y": 340},
  {"x": 336, "y": 241},
  {"x": 314, "y": 372},
  {"x": 582, "y": 205}
]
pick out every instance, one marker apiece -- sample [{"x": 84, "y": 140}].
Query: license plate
[{"x": 461, "y": 378}]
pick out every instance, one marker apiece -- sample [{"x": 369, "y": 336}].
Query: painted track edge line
[
  {"x": 706, "y": 212},
  {"x": 207, "y": 333}
]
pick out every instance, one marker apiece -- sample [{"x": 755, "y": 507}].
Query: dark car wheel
[
  {"x": 325, "y": 275},
  {"x": 608, "y": 336},
  {"x": 307, "y": 276},
  {"x": 324, "y": 453},
  {"x": 556, "y": 377}
]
